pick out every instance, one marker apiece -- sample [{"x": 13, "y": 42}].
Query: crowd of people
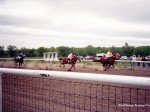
[{"x": 137, "y": 60}]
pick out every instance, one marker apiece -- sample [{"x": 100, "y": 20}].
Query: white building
[{"x": 50, "y": 56}]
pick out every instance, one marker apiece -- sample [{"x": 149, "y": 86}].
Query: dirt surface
[{"x": 93, "y": 68}]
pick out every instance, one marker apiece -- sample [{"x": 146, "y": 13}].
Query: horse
[
  {"x": 64, "y": 60},
  {"x": 19, "y": 60},
  {"x": 107, "y": 62}
]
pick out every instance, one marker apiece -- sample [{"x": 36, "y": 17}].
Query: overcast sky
[{"x": 74, "y": 23}]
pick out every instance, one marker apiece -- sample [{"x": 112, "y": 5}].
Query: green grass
[{"x": 122, "y": 64}]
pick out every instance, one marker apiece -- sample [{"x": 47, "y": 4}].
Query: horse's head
[
  {"x": 24, "y": 56},
  {"x": 116, "y": 55}
]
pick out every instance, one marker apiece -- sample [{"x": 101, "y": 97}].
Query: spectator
[
  {"x": 133, "y": 62},
  {"x": 138, "y": 59},
  {"x": 143, "y": 59}
]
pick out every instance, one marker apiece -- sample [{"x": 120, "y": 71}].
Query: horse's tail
[{"x": 61, "y": 58}]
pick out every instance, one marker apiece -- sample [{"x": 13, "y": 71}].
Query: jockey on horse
[
  {"x": 19, "y": 59},
  {"x": 108, "y": 55},
  {"x": 19, "y": 56},
  {"x": 108, "y": 60},
  {"x": 71, "y": 56},
  {"x": 71, "y": 59}
]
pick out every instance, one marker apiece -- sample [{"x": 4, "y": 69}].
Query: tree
[
  {"x": 2, "y": 51},
  {"x": 63, "y": 51},
  {"x": 41, "y": 50},
  {"x": 113, "y": 49},
  {"x": 52, "y": 49},
  {"x": 12, "y": 50},
  {"x": 90, "y": 50}
]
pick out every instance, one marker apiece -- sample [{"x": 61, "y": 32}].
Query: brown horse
[
  {"x": 108, "y": 62},
  {"x": 64, "y": 60}
]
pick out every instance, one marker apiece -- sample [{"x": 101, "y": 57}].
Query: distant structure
[
  {"x": 100, "y": 55},
  {"x": 50, "y": 56}
]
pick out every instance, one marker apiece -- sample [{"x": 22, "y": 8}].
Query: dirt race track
[
  {"x": 94, "y": 68},
  {"x": 44, "y": 94}
]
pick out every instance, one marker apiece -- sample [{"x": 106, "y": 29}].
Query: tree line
[{"x": 127, "y": 50}]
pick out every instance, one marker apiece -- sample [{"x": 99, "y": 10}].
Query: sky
[{"x": 74, "y": 23}]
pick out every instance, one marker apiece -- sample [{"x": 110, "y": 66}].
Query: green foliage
[
  {"x": 12, "y": 50},
  {"x": 2, "y": 51},
  {"x": 41, "y": 50},
  {"x": 64, "y": 51}
]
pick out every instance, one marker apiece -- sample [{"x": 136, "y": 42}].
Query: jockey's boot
[{"x": 68, "y": 61}]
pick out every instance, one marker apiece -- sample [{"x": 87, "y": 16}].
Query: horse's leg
[
  {"x": 105, "y": 67},
  {"x": 19, "y": 64},
  {"x": 108, "y": 66},
  {"x": 60, "y": 65},
  {"x": 15, "y": 63},
  {"x": 71, "y": 67},
  {"x": 113, "y": 65}
]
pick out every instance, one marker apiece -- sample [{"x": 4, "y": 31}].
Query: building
[{"x": 50, "y": 56}]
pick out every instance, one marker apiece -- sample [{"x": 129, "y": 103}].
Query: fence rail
[{"x": 82, "y": 76}]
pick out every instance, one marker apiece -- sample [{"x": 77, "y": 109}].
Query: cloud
[{"x": 74, "y": 23}]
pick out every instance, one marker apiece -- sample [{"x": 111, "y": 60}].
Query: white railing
[
  {"x": 132, "y": 61},
  {"x": 132, "y": 80}
]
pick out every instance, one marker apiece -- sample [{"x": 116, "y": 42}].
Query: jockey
[
  {"x": 70, "y": 56},
  {"x": 108, "y": 55},
  {"x": 20, "y": 55}
]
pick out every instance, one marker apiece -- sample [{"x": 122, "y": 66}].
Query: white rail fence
[{"x": 82, "y": 76}]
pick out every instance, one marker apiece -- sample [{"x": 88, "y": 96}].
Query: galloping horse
[
  {"x": 19, "y": 60},
  {"x": 64, "y": 60},
  {"x": 108, "y": 62}
]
